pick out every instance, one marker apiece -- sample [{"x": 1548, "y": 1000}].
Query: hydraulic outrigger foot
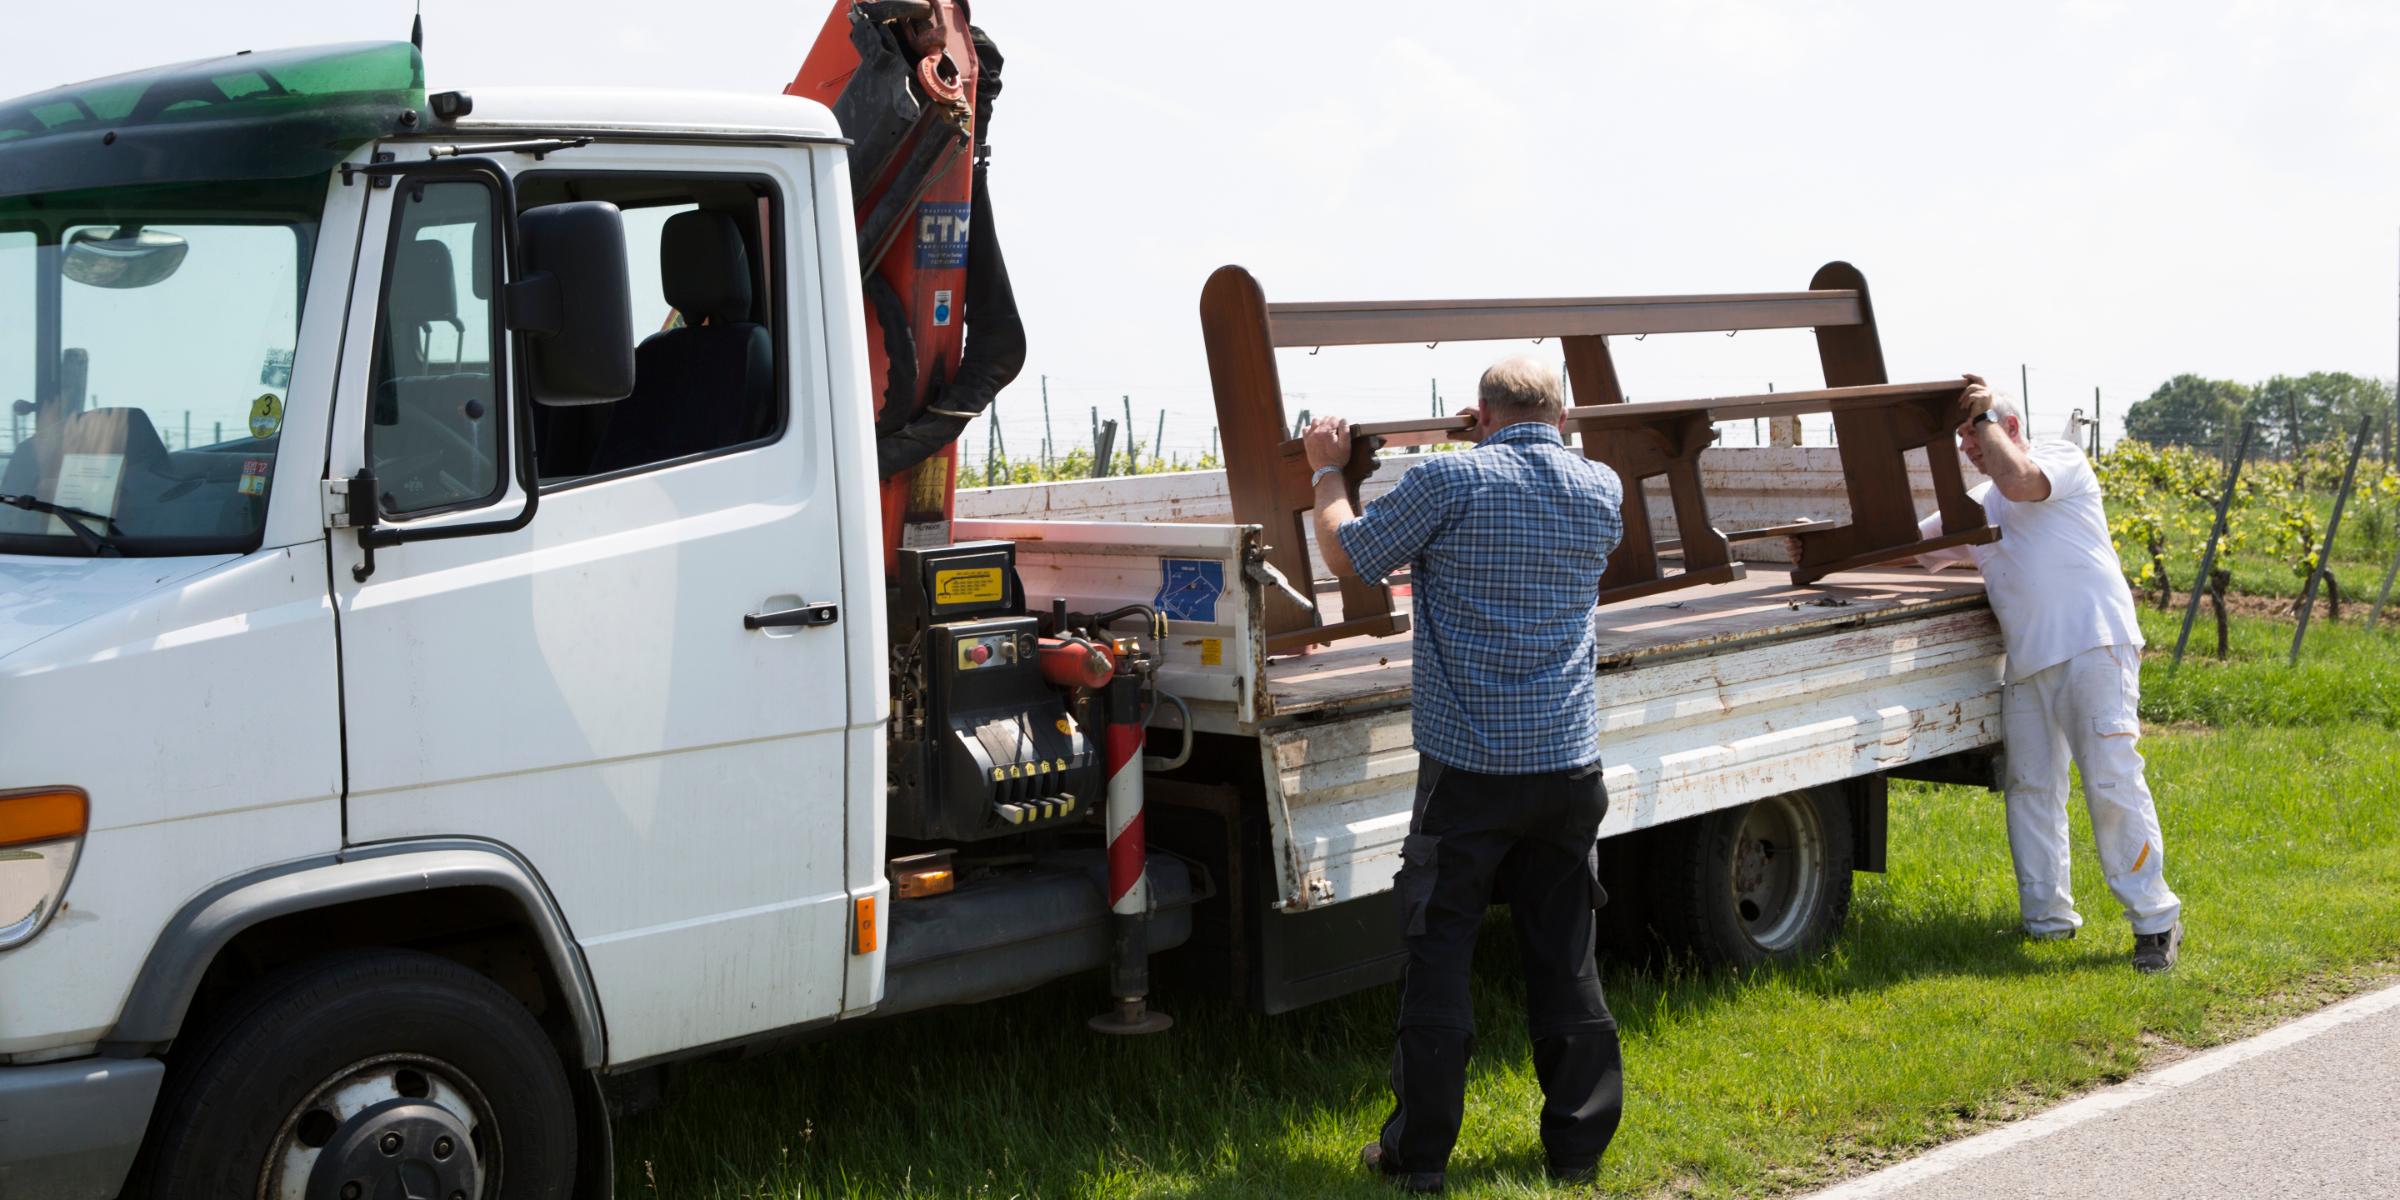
[{"x": 1132, "y": 1015}]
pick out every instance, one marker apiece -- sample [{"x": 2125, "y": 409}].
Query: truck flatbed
[
  {"x": 1711, "y": 697},
  {"x": 1364, "y": 672}
]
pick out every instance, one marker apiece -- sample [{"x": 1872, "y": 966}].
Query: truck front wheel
[
  {"x": 362, "y": 1074},
  {"x": 1767, "y": 881}
]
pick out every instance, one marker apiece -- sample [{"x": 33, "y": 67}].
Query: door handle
[{"x": 822, "y": 613}]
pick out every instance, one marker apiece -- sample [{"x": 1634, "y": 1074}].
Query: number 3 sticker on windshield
[{"x": 266, "y": 416}]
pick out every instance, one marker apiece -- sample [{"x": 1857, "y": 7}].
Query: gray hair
[
  {"x": 2006, "y": 407},
  {"x": 1522, "y": 387}
]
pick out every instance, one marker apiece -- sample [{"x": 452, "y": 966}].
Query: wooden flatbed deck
[{"x": 1364, "y": 672}]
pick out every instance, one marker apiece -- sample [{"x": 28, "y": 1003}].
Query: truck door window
[
  {"x": 708, "y": 375},
  {"x": 434, "y": 432}
]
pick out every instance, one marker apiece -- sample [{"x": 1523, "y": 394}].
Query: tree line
[{"x": 2286, "y": 414}]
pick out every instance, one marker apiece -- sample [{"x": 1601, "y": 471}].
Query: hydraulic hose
[{"x": 995, "y": 349}]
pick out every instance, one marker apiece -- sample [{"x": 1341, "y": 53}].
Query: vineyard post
[
  {"x": 1104, "y": 447},
  {"x": 2386, "y": 594},
  {"x": 1045, "y": 425},
  {"x": 1133, "y": 450},
  {"x": 1158, "y": 441},
  {"x": 2308, "y": 595},
  {"x": 2208, "y": 557},
  {"x": 1000, "y": 437}
]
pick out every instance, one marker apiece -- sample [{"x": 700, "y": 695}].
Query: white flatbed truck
[{"x": 377, "y": 785}]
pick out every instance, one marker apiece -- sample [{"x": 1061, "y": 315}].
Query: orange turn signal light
[
  {"x": 42, "y": 815},
  {"x": 862, "y": 915}
]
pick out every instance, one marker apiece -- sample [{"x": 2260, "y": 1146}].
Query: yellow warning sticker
[
  {"x": 1067, "y": 727},
  {"x": 1212, "y": 652},
  {"x": 969, "y": 585}
]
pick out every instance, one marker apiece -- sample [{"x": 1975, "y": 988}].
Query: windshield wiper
[{"x": 73, "y": 518}]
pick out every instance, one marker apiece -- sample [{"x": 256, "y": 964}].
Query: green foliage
[
  {"x": 2289, "y": 415},
  {"x": 2317, "y": 411},
  {"x": 2189, "y": 410},
  {"x": 1076, "y": 464},
  {"x": 2161, "y": 503}
]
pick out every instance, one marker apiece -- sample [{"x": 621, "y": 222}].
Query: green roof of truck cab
[{"x": 269, "y": 115}]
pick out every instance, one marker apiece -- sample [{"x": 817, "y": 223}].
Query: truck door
[{"x": 593, "y": 689}]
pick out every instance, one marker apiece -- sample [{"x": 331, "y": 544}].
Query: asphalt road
[{"x": 2311, "y": 1108}]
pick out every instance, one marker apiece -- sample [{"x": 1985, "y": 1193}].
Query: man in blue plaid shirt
[{"x": 1505, "y": 544}]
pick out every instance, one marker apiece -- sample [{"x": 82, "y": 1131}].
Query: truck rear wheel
[
  {"x": 367, "y": 1074},
  {"x": 1769, "y": 881}
]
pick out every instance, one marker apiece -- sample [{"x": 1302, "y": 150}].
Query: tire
[
  {"x": 400, "y": 1072},
  {"x": 1766, "y": 882}
]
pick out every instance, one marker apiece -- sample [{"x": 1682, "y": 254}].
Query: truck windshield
[{"x": 146, "y": 346}]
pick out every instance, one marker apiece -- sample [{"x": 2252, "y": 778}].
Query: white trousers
[{"x": 2084, "y": 707}]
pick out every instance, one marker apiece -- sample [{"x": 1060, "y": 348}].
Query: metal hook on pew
[
  {"x": 1431, "y": 345},
  {"x": 1731, "y": 332},
  {"x": 1312, "y": 351},
  {"x": 1537, "y": 341},
  {"x": 1639, "y": 336}
]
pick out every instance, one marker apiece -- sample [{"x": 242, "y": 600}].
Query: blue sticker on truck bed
[
  {"x": 1190, "y": 590},
  {"x": 941, "y": 234}
]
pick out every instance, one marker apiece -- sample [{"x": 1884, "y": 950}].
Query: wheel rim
[
  {"x": 1778, "y": 870},
  {"x": 395, "y": 1125}
]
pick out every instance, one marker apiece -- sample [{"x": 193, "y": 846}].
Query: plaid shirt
[{"x": 1507, "y": 542}]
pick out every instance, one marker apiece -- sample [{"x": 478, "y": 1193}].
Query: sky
[{"x": 2102, "y": 194}]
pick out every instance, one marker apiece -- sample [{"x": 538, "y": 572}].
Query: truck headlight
[{"x": 41, "y": 831}]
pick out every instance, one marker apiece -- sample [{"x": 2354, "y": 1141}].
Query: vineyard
[{"x": 2162, "y": 503}]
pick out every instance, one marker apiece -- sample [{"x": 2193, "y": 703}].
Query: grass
[
  {"x": 1929, "y": 1018},
  {"x": 2345, "y": 674}
]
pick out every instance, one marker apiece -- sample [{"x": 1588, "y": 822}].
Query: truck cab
[{"x": 341, "y": 604}]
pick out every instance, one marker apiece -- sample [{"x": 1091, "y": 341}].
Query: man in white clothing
[{"x": 2074, "y": 678}]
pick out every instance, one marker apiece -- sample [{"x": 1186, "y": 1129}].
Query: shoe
[
  {"x": 2156, "y": 952},
  {"x": 1583, "y": 1176},
  {"x": 2051, "y": 935},
  {"x": 1370, "y": 1156}
]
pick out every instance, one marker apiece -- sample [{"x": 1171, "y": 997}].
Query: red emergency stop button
[{"x": 979, "y": 653}]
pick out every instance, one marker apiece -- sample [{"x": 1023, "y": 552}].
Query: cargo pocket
[
  {"x": 2117, "y": 727},
  {"x": 1413, "y": 886}
]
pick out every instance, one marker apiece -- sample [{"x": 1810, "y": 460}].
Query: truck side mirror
[{"x": 571, "y": 299}]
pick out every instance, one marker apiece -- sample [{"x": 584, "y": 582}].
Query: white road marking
[{"x": 2102, "y": 1103}]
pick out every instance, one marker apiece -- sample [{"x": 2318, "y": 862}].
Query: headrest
[
  {"x": 703, "y": 267},
  {"x": 424, "y": 290}
]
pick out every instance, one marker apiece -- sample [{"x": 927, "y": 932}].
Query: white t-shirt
[{"x": 2053, "y": 577}]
